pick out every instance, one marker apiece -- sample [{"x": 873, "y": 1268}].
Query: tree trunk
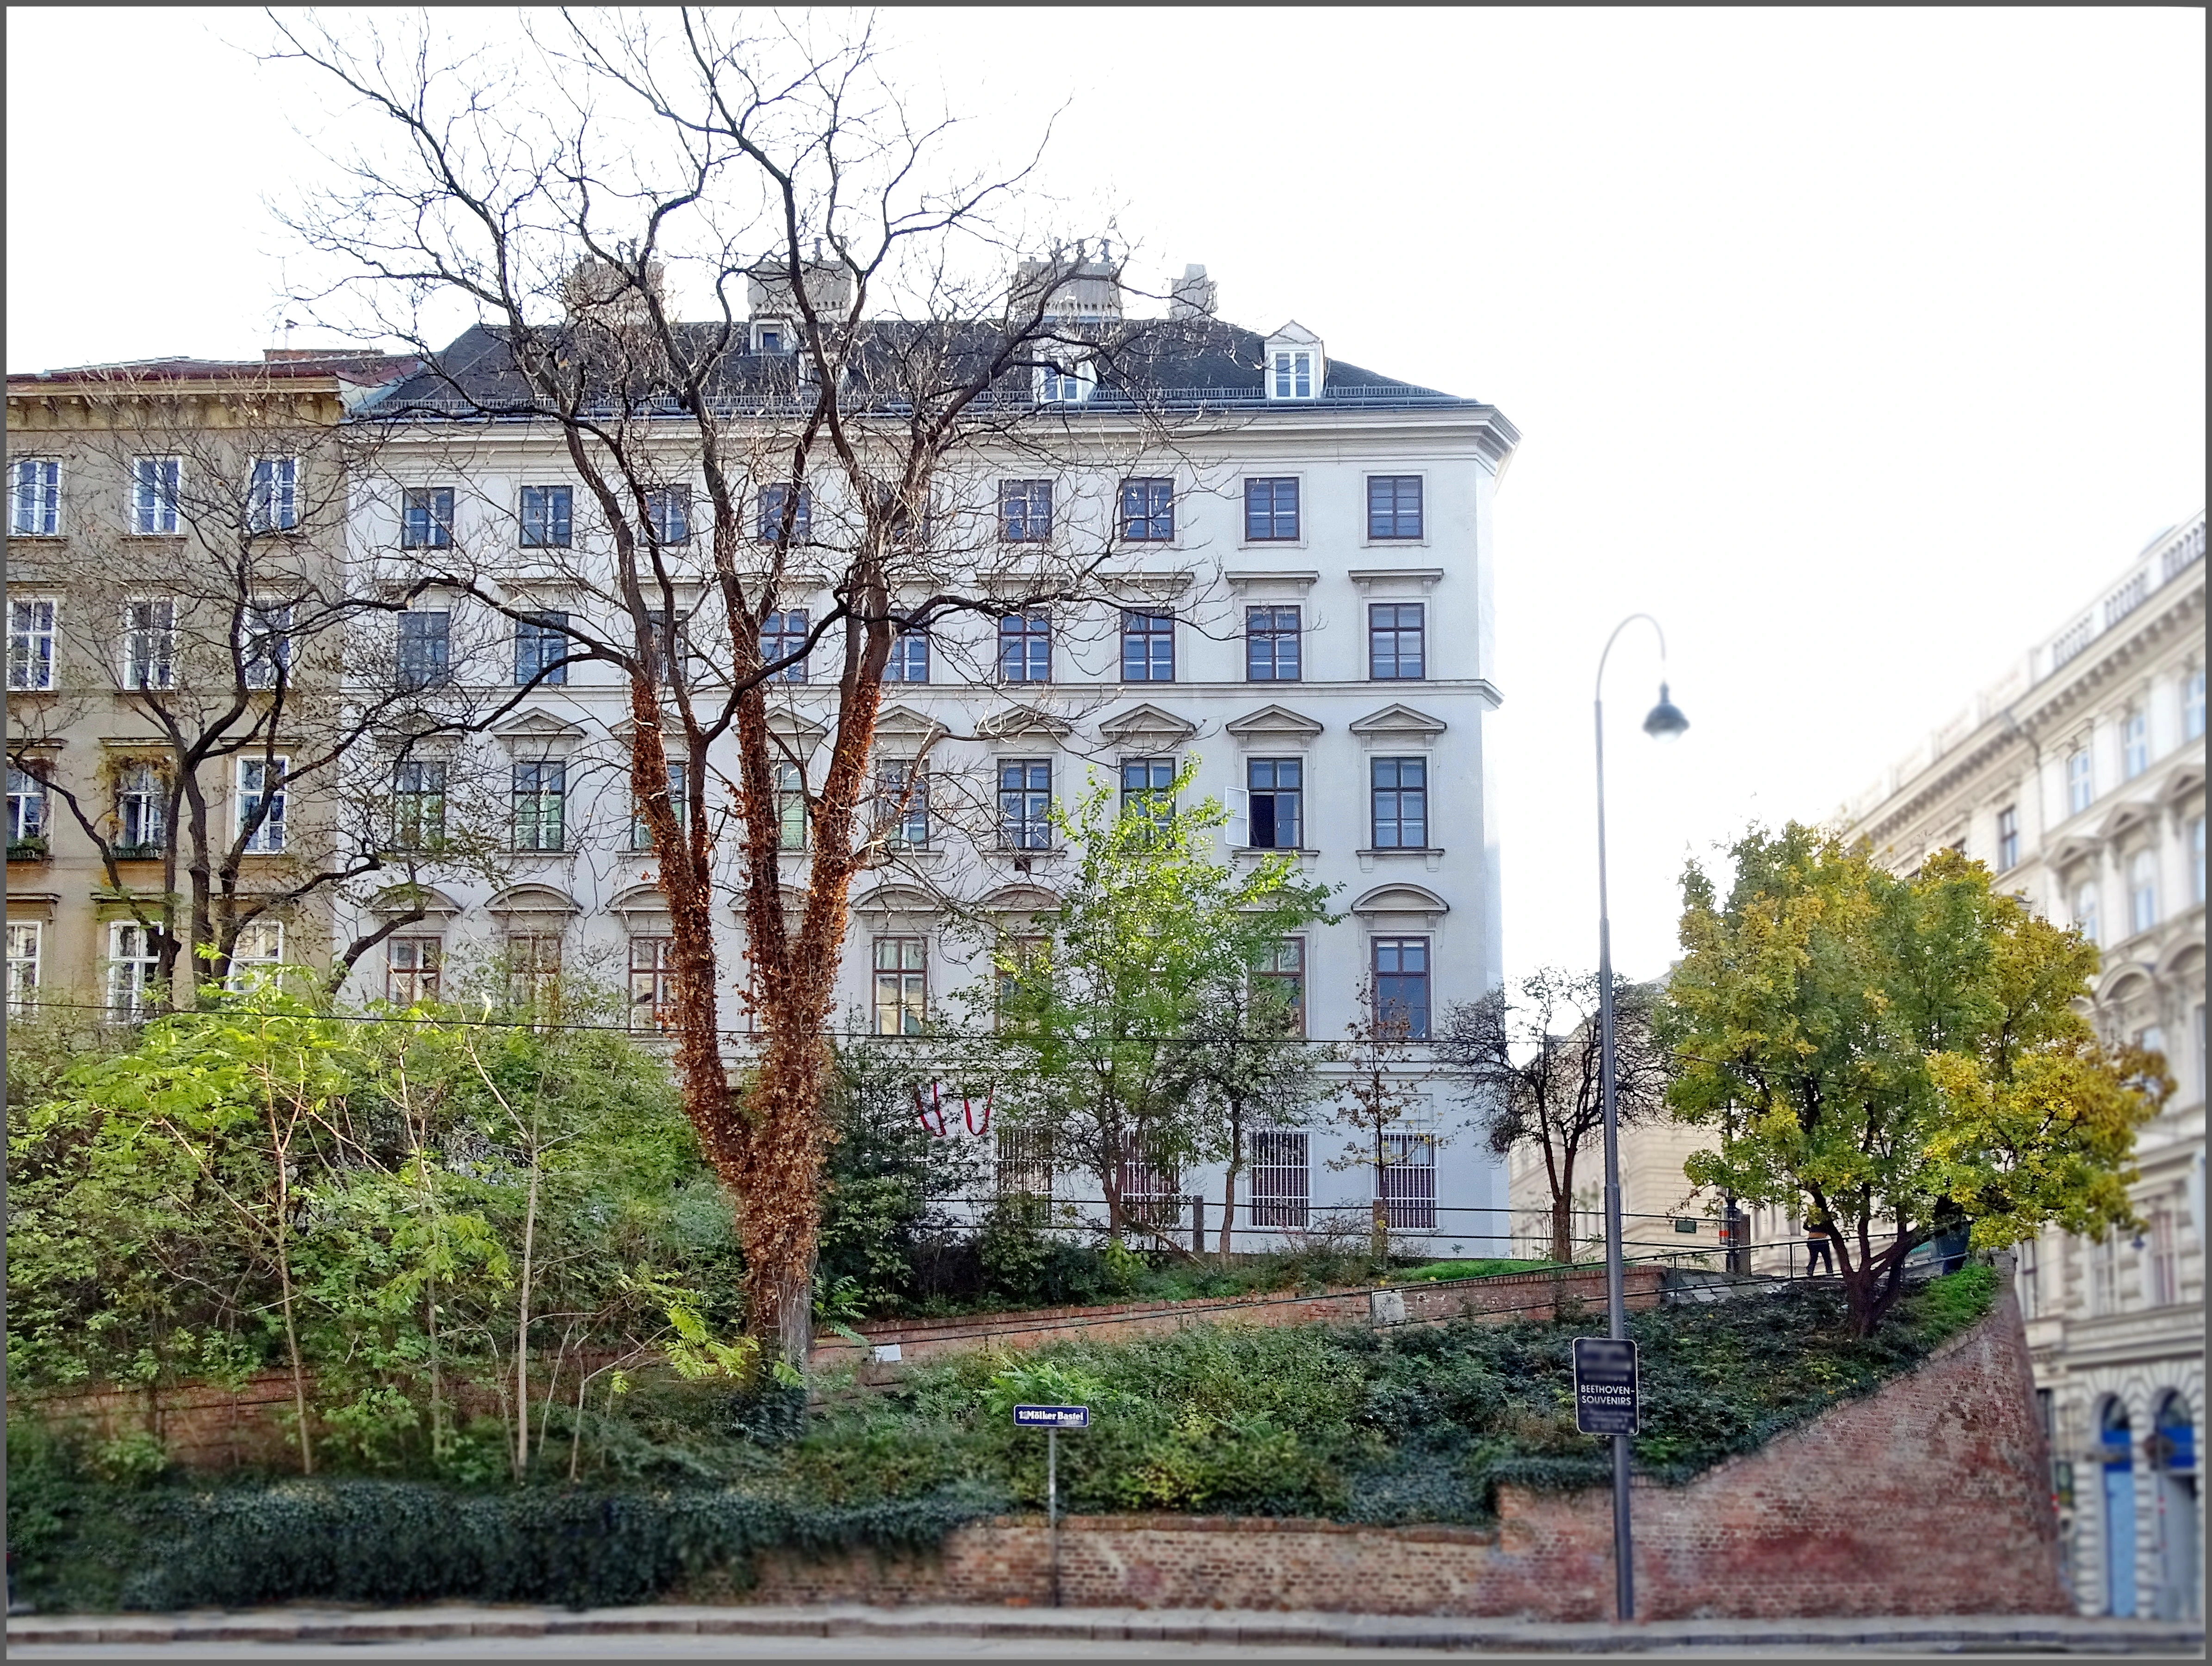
[
  {"x": 1563, "y": 1229},
  {"x": 1228, "y": 1210}
]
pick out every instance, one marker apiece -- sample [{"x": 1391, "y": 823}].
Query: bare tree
[
  {"x": 846, "y": 439},
  {"x": 1527, "y": 1061},
  {"x": 1246, "y": 1063},
  {"x": 1377, "y": 1094}
]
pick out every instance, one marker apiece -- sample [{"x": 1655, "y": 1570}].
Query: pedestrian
[{"x": 1818, "y": 1250}]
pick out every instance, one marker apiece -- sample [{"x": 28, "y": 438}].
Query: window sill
[
  {"x": 1273, "y": 851},
  {"x": 1431, "y": 857}
]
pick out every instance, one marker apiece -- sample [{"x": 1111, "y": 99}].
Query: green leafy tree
[
  {"x": 1249, "y": 1068},
  {"x": 1888, "y": 1057},
  {"x": 1097, "y": 1027}
]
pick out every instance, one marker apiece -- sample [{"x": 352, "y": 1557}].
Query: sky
[{"x": 1859, "y": 347}]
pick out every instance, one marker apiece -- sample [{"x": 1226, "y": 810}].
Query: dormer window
[
  {"x": 1294, "y": 374},
  {"x": 1294, "y": 365},
  {"x": 772, "y": 336},
  {"x": 1067, "y": 385}
]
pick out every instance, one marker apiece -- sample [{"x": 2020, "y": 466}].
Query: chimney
[
  {"x": 603, "y": 292},
  {"x": 1088, "y": 291},
  {"x": 769, "y": 295},
  {"x": 1192, "y": 295}
]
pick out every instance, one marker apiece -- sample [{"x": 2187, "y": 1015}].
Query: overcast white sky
[{"x": 1859, "y": 346}]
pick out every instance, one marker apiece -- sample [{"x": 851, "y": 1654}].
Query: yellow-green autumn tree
[{"x": 1900, "y": 1055}]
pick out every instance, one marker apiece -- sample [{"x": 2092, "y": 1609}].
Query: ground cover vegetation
[{"x": 1420, "y": 1424}]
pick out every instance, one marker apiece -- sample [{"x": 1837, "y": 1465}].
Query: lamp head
[{"x": 1666, "y": 721}]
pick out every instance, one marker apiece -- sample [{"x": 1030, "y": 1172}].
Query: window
[
  {"x": 34, "y": 497},
  {"x": 265, "y": 644},
  {"x": 27, "y": 807},
  {"x": 1145, "y": 783},
  {"x": 2027, "y": 1280},
  {"x": 1281, "y": 1178},
  {"x": 425, "y": 647},
  {"x": 1292, "y": 376},
  {"x": 790, "y": 807},
  {"x": 2105, "y": 1275},
  {"x": 904, "y": 787},
  {"x": 1284, "y": 971},
  {"x": 1271, "y": 644},
  {"x": 1271, "y": 511},
  {"x": 410, "y": 969},
  {"x": 909, "y": 660},
  {"x": 652, "y": 982},
  {"x": 1147, "y": 646},
  {"x": 2085, "y": 911},
  {"x": 1148, "y": 511},
  {"x": 2197, "y": 861},
  {"x": 1025, "y": 803},
  {"x": 2081, "y": 789},
  {"x": 666, "y": 652},
  {"x": 23, "y": 945},
  {"x": 133, "y": 963},
  {"x": 257, "y": 954},
  {"x": 540, "y": 803},
  {"x": 774, "y": 501},
  {"x": 272, "y": 501},
  {"x": 1025, "y": 647},
  {"x": 2135, "y": 743},
  {"x": 1401, "y": 985},
  {"x": 783, "y": 634},
  {"x": 1400, "y": 798},
  {"x": 1017, "y": 958},
  {"x": 155, "y": 484},
  {"x": 2008, "y": 838},
  {"x": 640, "y": 836},
  {"x": 1395, "y": 633},
  {"x": 901, "y": 985},
  {"x": 1409, "y": 1181},
  {"x": 426, "y": 517},
  {"x": 1152, "y": 1188},
  {"x": 533, "y": 970},
  {"x": 1274, "y": 790},
  {"x": 2162, "y": 1285},
  {"x": 1025, "y": 511},
  {"x": 1068, "y": 385},
  {"x": 541, "y": 647},
  {"x": 142, "y": 810},
  {"x": 149, "y": 644},
  {"x": 1025, "y": 1164},
  {"x": 1394, "y": 506},
  {"x": 261, "y": 795},
  {"x": 418, "y": 804},
  {"x": 2192, "y": 704},
  {"x": 668, "y": 515},
  {"x": 549, "y": 517},
  {"x": 30, "y": 645},
  {"x": 2143, "y": 892}
]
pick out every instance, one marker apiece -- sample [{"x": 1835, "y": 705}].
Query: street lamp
[{"x": 1666, "y": 722}]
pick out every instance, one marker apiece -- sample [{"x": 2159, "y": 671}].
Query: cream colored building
[
  {"x": 1663, "y": 1216},
  {"x": 2079, "y": 778}
]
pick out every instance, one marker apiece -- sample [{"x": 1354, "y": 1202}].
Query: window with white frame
[
  {"x": 411, "y": 968},
  {"x": 538, "y": 806},
  {"x": 1408, "y": 1179},
  {"x": 134, "y": 961},
  {"x": 2081, "y": 782},
  {"x": 652, "y": 982},
  {"x": 790, "y": 807},
  {"x": 1147, "y": 646},
  {"x": 261, "y": 795},
  {"x": 902, "y": 788},
  {"x": 776, "y": 505},
  {"x": 2192, "y": 704},
  {"x": 2085, "y": 911},
  {"x": 909, "y": 658},
  {"x": 533, "y": 970},
  {"x": 2008, "y": 838},
  {"x": 31, "y": 644},
  {"x": 641, "y": 832},
  {"x": 418, "y": 804},
  {"x": 34, "y": 497},
  {"x": 2143, "y": 890},
  {"x": 2105, "y": 1275},
  {"x": 549, "y": 517},
  {"x": 156, "y": 483},
  {"x": 1025, "y": 803},
  {"x": 1281, "y": 1179},
  {"x": 541, "y": 649},
  {"x": 1274, "y": 800},
  {"x": 1282, "y": 969},
  {"x": 1067, "y": 384},
  {"x": 425, "y": 650},
  {"x": 142, "y": 809},
  {"x": 25, "y": 939},
  {"x": 264, "y": 643},
  {"x": 2134, "y": 742},
  {"x": 783, "y": 636},
  {"x": 149, "y": 644},
  {"x": 27, "y": 807},
  {"x": 2197, "y": 861},
  {"x": 2161, "y": 1271},
  {"x": 257, "y": 953},
  {"x": 1291, "y": 373},
  {"x": 2028, "y": 1279},
  {"x": 668, "y": 515},
  {"x": 901, "y": 985},
  {"x": 426, "y": 517},
  {"x": 272, "y": 501},
  {"x": 1025, "y": 647}
]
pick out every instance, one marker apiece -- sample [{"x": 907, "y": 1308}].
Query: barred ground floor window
[
  {"x": 1409, "y": 1181},
  {"x": 1152, "y": 1188},
  {"x": 1281, "y": 1179},
  {"x": 1025, "y": 1164}
]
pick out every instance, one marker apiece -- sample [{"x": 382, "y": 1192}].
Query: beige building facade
[{"x": 2079, "y": 778}]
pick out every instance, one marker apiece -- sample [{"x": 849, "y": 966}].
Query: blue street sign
[
  {"x": 1052, "y": 1417},
  {"x": 1605, "y": 1386}
]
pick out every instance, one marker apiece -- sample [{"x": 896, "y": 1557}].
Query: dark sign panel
[
  {"x": 1605, "y": 1386},
  {"x": 1052, "y": 1417}
]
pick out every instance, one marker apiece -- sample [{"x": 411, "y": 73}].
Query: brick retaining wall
[{"x": 1930, "y": 1496}]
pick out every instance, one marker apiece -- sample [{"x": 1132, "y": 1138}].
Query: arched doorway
[
  {"x": 2118, "y": 1437},
  {"x": 2173, "y": 1452}
]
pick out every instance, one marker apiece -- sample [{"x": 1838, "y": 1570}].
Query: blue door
[{"x": 2119, "y": 1513}]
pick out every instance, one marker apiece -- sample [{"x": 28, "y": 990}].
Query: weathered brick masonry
[{"x": 1931, "y": 1496}]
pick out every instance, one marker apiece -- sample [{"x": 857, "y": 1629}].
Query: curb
[{"x": 1113, "y": 1624}]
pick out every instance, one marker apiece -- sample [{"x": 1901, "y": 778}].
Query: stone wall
[{"x": 1930, "y": 1496}]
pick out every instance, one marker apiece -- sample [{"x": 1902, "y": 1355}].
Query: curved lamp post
[{"x": 1665, "y": 722}]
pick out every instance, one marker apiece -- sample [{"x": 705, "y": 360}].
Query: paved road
[{"x": 456, "y": 1630}]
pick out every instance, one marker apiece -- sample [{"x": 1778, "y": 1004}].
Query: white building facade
[
  {"x": 1306, "y": 612},
  {"x": 2079, "y": 778}
]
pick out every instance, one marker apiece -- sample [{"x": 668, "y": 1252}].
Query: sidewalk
[{"x": 1204, "y": 1630}]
